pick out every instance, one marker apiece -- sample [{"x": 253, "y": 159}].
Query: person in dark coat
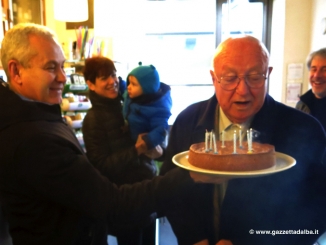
[
  {"x": 49, "y": 191},
  {"x": 313, "y": 101},
  {"x": 289, "y": 206},
  {"x": 122, "y": 85},
  {"x": 147, "y": 106},
  {"x": 109, "y": 146}
]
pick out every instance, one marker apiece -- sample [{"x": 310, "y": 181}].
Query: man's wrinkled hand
[{"x": 207, "y": 178}]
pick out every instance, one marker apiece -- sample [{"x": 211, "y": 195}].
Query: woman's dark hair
[{"x": 98, "y": 67}]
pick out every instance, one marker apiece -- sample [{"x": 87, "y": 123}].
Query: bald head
[{"x": 240, "y": 47}]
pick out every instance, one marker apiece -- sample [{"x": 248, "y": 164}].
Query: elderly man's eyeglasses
[{"x": 232, "y": 82}]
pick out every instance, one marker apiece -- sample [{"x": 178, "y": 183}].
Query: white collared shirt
[{"x": 226, "y": 125}]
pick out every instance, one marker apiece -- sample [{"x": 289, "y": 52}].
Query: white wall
[
  {"x": 296, "y": 31},
  {"x": 277, "y": 50},
  {"x": 318, "y": 40},
  {"x": 291, "y": 38}
]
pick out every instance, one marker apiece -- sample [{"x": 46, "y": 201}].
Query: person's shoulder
[
  {"x": 166, "y": 98},
  {"x": 302, "y": 106},
  {"x": 164, "y": 91},
  {"x": 193, "y": 111},
  {"x": 91, "y": 113},
  {"x": 291, "y": 112},
  {"x": 283, "y": 112},
  {"x": 307, "y": 95},
  {"x": 95, "y": 116},
  {"x": 43, "y": 128},
  {"x": 164, "y": 86},
  {"x": 197, "y": 106},
  {"x": 298, "y": 118},
  {"x": 307, "y": 98}
]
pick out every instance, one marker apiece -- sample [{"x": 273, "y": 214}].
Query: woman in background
[{"x": 110, "y": 148}]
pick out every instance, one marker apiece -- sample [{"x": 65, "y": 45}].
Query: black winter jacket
[
  {"x": 109, "y": 146},
  {"x": 316, "y": 107},
  {"x": 48, "y": 186}
]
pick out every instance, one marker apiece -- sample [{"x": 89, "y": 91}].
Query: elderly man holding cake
[{"x": 284, "y": 207}]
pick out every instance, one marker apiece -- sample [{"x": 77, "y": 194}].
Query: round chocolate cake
[{"x": 262, "y": 156}]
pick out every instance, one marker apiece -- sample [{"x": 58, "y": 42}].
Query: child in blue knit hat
[{"x": 147, "y": 106}]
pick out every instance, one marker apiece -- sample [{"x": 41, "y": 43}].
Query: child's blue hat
[{"x": 147, "y": 77}]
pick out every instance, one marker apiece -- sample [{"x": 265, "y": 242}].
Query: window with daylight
[{"x": 179, "y": 38}]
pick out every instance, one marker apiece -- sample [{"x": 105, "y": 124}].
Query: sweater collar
[{"x": 98, "y": 100}]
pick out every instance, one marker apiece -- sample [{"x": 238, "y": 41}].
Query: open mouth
[{"x": 242, "y": 102}]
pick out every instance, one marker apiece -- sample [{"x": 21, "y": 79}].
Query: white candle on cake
[
  {"x": 251, "y": 139},
  {"x": 206, "y": 141},
  {"x": 240, "y": 138},
  {"x": 211, "y": 141},
  {"x": 248, "y": 141},
  {"x": 235, "y": 142},
  {"x": 214, "y": 142},
  {"x": 223, "y": 137}
]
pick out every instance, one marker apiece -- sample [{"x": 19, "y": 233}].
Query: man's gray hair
[
  {"x": 16, "y": 45},
  {"x": 321, "y": 53}
]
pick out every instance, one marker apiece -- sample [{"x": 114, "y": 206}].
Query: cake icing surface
[{"x": 261, "y": 157}]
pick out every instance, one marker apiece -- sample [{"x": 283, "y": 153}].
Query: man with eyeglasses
[
  {"x": 313, "y": 101},
  {"x": 236, "y": 210}
]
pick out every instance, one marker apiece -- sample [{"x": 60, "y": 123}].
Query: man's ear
[
  {"x": 13, "y": 70},
  {"x": 213, "y": 76}
]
